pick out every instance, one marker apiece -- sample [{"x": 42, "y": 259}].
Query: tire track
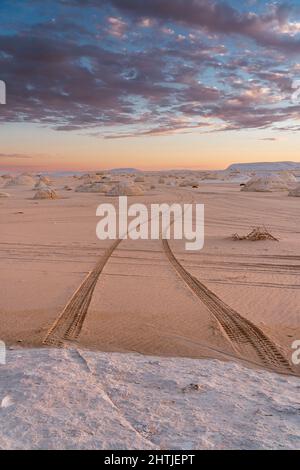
[
  {"x": 238, "y": 329},
  {"x": 69, "y": 324}
]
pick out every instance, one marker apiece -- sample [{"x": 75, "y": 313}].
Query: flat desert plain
[{"x": 233, "y": 300}]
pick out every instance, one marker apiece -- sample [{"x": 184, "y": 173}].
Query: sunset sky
[{"x": 148, "y": 83}]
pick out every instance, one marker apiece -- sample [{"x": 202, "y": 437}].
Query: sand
[
  {"x": 76, "y": 399},
  {"x": 246, "y": 307}
]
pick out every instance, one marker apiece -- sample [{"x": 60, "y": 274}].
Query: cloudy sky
[{"x": 149, "y": 83}]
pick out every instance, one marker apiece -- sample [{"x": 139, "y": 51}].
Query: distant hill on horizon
[
  {"x": 124, "y": 170},
  {"x": 264, "y": 166}
]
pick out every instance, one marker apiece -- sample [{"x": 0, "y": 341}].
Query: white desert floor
[
  {"x": 233, "y": 301},
  {"x": 75, "y": 399}
]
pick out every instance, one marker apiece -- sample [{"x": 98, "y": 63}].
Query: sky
[{"x": 152, "y": 84}]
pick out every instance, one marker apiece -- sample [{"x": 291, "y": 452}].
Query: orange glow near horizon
[{"x": 31, "y": 148}]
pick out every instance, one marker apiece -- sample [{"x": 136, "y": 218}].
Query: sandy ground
[
  {"x": 75, "y": 399},
  {"x": 141, "y": 301}
]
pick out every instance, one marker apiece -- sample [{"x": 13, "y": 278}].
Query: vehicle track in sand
[
  {"x": 69, "y": 324},
  {"x": 238, "y": 329}
]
